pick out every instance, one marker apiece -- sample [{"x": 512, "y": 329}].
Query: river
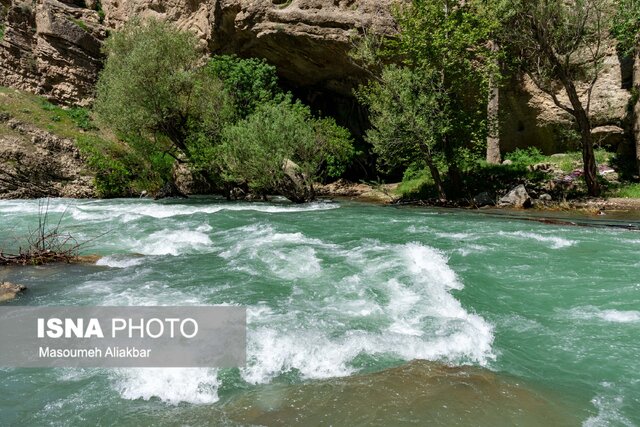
[{"x": 357, "y": 314}]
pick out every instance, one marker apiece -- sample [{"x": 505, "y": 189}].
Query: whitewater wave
[
  {"x": 288, "y": 256},
  {"x": 171, "y": 385},
  {"x": 419, "y": 319},
  {"x": 554, "y": 242},
  {"x": 114, "y": 261},
  {"x": 171, "y": 242}
]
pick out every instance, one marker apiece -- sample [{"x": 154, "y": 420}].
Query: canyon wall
[{"x": 53, "y": 48}]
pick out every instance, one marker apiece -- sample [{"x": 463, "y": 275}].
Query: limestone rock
[
  {"x": 517, "y": 198},
  {"x": 295, "y": 185},
  {"x": 9, "y": 291}
]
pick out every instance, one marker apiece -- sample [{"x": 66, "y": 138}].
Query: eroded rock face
[
  {"x": 308, "y": 40},
  {"x": 53, "y": 49},
  {"x": 35, "y": 163},
  {"x": 534, "y": 120}
]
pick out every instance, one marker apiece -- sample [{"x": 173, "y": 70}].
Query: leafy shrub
[{"x": 254, "y": 150}]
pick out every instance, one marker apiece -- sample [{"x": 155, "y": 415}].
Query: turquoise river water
[{"x": 357, "y": 315}]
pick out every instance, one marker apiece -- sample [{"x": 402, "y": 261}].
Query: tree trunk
[
  {"x": 493, "y": 118},
  {"x": 435, "y": 173},
  {"x": 584, "y": 124},
  {"x": 638, "y": 155}
]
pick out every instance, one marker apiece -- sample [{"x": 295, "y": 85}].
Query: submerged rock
[
  {"x": 418, "y": 393},
  {"x": 9, "y": 291},
  {"x": 517, "y": 197}
]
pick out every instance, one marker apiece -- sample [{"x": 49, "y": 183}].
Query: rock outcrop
[
  {"x": 53, "y": 49},
  {"x": 35, "y": 163},
  {"x": 295, "y": 186}
]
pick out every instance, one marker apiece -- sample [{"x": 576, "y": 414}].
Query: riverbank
[{"x": 387, "y": 194}]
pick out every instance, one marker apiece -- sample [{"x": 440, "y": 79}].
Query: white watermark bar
[{"x": 95, "y": 337}]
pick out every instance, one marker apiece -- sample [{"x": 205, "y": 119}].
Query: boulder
[
  {"x": 295, "y": 186},
  {"x": 517, "y": 198},
  {"x": 169, "y": 189},
  {"x": 483, "y": 199},
  {"x": 9, "y": 291},
  {"x": 545, "y": 197}
]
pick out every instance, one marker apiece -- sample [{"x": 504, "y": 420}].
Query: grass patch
[
  {"x": 626, "y": 191},
  {"x": 566, "y": 162},
  {"x": 416, "y": 184}
]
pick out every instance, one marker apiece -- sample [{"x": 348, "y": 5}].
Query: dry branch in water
[{"x": 46, "y": 244}]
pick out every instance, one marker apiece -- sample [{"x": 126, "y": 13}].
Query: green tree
[
  {"x": 562, "y": 44},
  {"x": 250, "y": 82},
  {"x": 257, "y": 150},
  {"x": 153, "y": 85},
  {"x": 446, "y": 43},
  {"x": 408, "y": 118}
]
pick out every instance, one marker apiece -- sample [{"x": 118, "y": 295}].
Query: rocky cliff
[{"x": 53, "y": 48}]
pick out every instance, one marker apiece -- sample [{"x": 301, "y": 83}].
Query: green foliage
[
  {"x": 1, "y": 32},
  {"x": 407, "y": 115},
  {"x": 123, "y": 170},
  {"x": 152, "y": 85},
  {"x": 80, "y": 116},
  {"x": 250, "y": 82},
  {"x": 254, "y": 150},
  {"x": 434, "y": 100},
  {"x": 417, "y": 183},
  {"x": 227, "y": 119},
  {"x": 80, "y": 23},
  {"x": 626, "y": 26}
]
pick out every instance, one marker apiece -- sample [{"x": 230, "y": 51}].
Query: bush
[{"x": 254, "y": 150}]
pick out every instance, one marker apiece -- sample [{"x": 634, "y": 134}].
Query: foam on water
[
  {"x": 119, "y": 261},
  {"x": 286, "y": 255},
  {"x": 131, "y": 212},
  {"x": 171, "y": 242},
  {"x": 171, "y": 385},
  {"x": 553, "y": 241},
  {"x": 614, "y": 316},
  {"x": 608, "y": 407}
]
